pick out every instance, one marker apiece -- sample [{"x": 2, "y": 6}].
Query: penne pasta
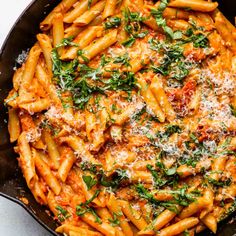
[
  {"x": 66, "y": 165},
  {"x": 164, "y": 218},
  {"x": 109, "y": 8},
  {"x": 46, "y": 46},
  {"x": 38, "y": 193},
  {"x": 195, "y": 5},
  {"x": 78, "y": 10},
  {"x": 114, "y": 207},
  {"x": 58, "y": 30},
  {"x": 26, "y": 160},
  {"x": 90, "y": 14},
  {"x": 45, "y": 172},
  {"x": 29, "y": 69},
  {"x": 160, "y": 95},
  {"x": 123, "y": 114},
  {"x": 104, "y": 227},
  {"x": 132, "y": 214},
  {"x": 150, "y": 100},
  {"x": 83, "y": 40},
  {"x": 37, "y": 106},
  {"x": 100, "y": 45},
  {"x": 179, "y": 227},
  {"x": 64, "y": 6},
  {"x": 13, "y": 125}
]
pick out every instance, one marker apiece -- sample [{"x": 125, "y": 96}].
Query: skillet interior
[{"x": 22, "y": 37}]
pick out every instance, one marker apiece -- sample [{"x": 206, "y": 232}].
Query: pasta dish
[{"x": 124, "y": 117}]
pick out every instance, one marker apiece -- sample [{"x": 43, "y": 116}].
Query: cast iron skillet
[{"x": 22, "y": 37}]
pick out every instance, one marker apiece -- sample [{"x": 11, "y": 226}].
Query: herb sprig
[
  {"x": 63, "y": 214},
  {"x": 133, "y": 26},
  {"x": 112, "y": 22},
  {"x": 161, "y": 22},
  {"x": 83, "y": 208}
]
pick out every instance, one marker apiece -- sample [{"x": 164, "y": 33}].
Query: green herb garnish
[
  {"x": 161, "y": 22},
  {"x": 115, "y": 221},
  {"x": 233, "y": 110},
  {"x": 112, "y": 22},
  {"x": 63, "y": 214},
  {"x": 122, "y": 59},
  {"x": 67, "y": 42},
  {"x": 89, "y": 181},
  {"x": 83, "y": 208},
  {"x": 133, "y": 26}
]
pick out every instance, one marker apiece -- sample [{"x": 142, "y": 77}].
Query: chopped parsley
[
  {"x": 173, "y": 63},
  {"x": 80, "y": 53},
  {"x": 229, "y": 211},
  {"x": 89, "y": 181},
  {"x": 145, "y": 194},
  {"x": 129, "y": 42},
  {"x": 112, "y": 22},
  {"x": 170, "y": 129},
  {"x": 124, "y": 81},
  {"x": 219, "y": 183},
  {"x": 67, "y": 42},
  {"x": 180, "y": 197},
  {"x": 199, "y": 40},
  {"x": 64, "y": 72},
  {"x": 122, "y": 59},
  {"x": 83, "y": 81},
  {"x": 116, "y": 179},
  {"x": 83, "y": 92},
  {"x": 115, "y": 221},
  {"x": 133, "y": 26},
  {"x": 63, "y": 214},
  {"x": 83, "y": 208},
  {"x": 233, "y": 110},
  {"x": 161, "y": 22}
]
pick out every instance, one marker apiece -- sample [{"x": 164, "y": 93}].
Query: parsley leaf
[
  {"x": 125, "y": 81},
  {"x": 122, "y": 59},
  {"x": 161, "y": 22},
  {"x": 199, "y": 40},
  {"x": 129, "y": 42},
  {"x": 233, "y": 110},
  {"x": 181, "y": 197},
  {"x": 87, "y": 166},
  {"x": 115, "y": 221},
  {"x": 133, "y": 26},
  {"x": 82, "y": 208},
  {"x": 84, "y": 92},
  {"x": 80, "y": 53},
  {"x": 172, "y": 63},
  {"x": 112, "y": 22},
  {"x": 67, "y": 42},
  {"x": 89, "y": 181},
  {"x": 118, "y": 177},
  {"x": 64, "y": 72},
  {"x": 170, "y": 129},
  {"x": 90, "y": 3},
  {"x": 219, "y": 183},
  {"x": 63, "y": 214}
]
